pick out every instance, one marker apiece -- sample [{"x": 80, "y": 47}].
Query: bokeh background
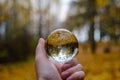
[{"x": 96, "y": 24}]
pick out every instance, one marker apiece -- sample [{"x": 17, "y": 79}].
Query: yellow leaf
[{"x": 102, "y": 3}]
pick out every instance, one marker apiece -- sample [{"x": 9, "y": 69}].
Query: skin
[{"x": 47, "y": 69}]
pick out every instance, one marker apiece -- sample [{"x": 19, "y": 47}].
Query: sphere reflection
[{"x": 61, "y": 45}]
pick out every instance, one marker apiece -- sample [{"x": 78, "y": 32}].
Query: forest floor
[{"x": 99, "y": 66}]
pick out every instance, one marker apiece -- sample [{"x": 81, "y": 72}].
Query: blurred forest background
[{"x": 96, "y": 24}]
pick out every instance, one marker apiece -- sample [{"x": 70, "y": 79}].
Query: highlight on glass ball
[{"x": 62, "y": 45}]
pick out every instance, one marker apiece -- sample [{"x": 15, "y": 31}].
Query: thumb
[{"x": 40, "y": 49}]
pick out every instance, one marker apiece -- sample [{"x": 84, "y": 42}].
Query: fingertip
[
  {"x": 69, "y": 64},
  {"x": 41, "y": 44},
  {"x": 83, "y": 74},
  {"x": 66, "y": 66},
  {"x": 40, "y": 49},
  {"x": 64, "y": 75},
  {"x": 77, "y": 75},
  {"x": 41, "y": 41}
]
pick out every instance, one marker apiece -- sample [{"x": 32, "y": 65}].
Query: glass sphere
[{"x": 62, "y": 45}]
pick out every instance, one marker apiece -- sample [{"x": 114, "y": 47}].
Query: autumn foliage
[{"x": 99, "y": 66}]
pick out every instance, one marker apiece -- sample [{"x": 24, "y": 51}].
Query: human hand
[
  {"x": 72, "y": 70},
  {"x": 51, "y": 70},
  {"x": 45, "y": 69}
]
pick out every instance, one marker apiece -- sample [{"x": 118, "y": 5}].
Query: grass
[
  {"x": 101, "y": 66},
  {"x": 98, "y": 66},
  {"x": 18, "y": 71}
]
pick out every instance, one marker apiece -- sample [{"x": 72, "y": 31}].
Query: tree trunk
[{"x": 91, "y": 15}]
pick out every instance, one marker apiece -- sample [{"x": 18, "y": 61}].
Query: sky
[
  {"x": 82, "y": 34},
  {"x": 64, "y": 9},
  {"x": 2, "y": 0}
]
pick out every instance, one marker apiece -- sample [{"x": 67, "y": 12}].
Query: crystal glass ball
[{"x": 62, "y": 45}]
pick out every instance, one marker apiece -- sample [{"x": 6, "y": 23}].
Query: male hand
[
  {"x": 50, "y": 70},
  {"x": 45, "y": 70}
]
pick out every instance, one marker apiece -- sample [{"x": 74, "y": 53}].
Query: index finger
[{"x": 69, "y": 64}]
